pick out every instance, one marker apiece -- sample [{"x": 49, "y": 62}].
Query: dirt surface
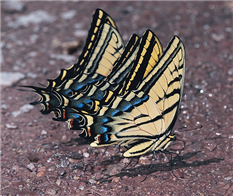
[{"x": 42, "y": 157}]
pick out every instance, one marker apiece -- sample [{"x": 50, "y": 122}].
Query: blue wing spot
[
  {"x": 79, "y": 87},
  {"x": 105, "y": 137},
  {"x": 118, "y": 112},
  {"x": 80, "y": 105},
  {"x": 88, "y": 101},
  {"x": 68, "y": 91},
  {"x": 105, "y": 120},
  {"x": 76, "y": 116},
  {"x": 104, "y": 129},
  {"x": 145, "y": 98},
  {"x": 137, "y": 102}
]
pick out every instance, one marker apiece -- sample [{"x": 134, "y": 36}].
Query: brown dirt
[{"x": 42, "y": 157}]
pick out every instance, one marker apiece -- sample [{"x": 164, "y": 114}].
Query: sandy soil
[{"x": 42, "y": 157}]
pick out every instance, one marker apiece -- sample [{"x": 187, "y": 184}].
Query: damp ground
[{"x": 42, "y": 157}]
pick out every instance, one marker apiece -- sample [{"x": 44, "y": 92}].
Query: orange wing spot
[
  {"x": 89, "y": 131},
  {"x": 47, "y": 106},
  {"x": 64, "y": 114}
]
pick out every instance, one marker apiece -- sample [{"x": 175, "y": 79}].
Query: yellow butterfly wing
[{"x": 165, "y": 85}]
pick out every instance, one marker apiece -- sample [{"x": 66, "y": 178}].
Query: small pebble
[
  {"x": 92, "y": 181},
  {"x": 63, "y": 57},
  {"x": 11, "y": 126},
  {"x": 80, "y": 33},
  {"x": 43, "y": 132},
  {"x": 41, "y": 173},
  {"x": 81, "y": 187},
  {"x": 116, "y": 179},
  {"x": 13, "y": 6},
  {"x": 58, "y": 182},
  {"x": 61, "y": 171},
  {"x": 68, "y": 14},
  {"x": 31, "y": 167},
  {"x": 9, "y": 78},
  {"x": 86, "y": 155},
  {"x": 76, "y": 177},
  {"x": 36, "y": 17}
]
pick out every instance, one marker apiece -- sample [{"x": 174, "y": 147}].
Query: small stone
[
  {"x": 64, "y": 57},
  {"x": 116, "y": 179},
  {"x": 51, "y": 168},
  {"x": 52, "y": 190},
  {"x": 11, "y": 126},
  {"x": 125, "y": 160},
  {"x": 43, "y": 168},
  {"x": 15, "y": 113},
  {"x": 92, "y": 181},
  {"x": 144, "y": 161},
  {"x": 43, "y": 132},
  {"x": 76, "y": 155},
  {"x": 80, "y": 33},
  {"x": 13, "y": 6},
  {"x": 9, "y": 78},
  {"x": 211, "y": 146},
  {"x": 41, "y": 173},
  {"x": 30, "y": 124},
  {"x": 26, "y": 108},
  {"x": 68, "y": 14},
  {"x": 113, "y": 170},
  {"x": 86, "y": 155},
  {"x": 36, "y": 17},
  {"x": 4, "y": 106},
  {"x": 76, "y": 177},
  {"x": 217, "y": 37},
  {"x": 78, "y": 165},
  {"x": 70, "y": 47},
  {"x": 82, "y": 186},
  {"x": 23, "y": 109},
  {"x": 31, "y": 167},
  {"x": 58, "y": 182},
  {"x": 61, "y": 171},
  {"x": 31, "y": 75},
  {"x": 15, "y": 168},
  {"x": 73, "y": 160}
]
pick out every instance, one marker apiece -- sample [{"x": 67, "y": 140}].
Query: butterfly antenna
[
  {"x": 41, "y": 84},
  {"x": 184, "y": 144},
  {"x": 196, "y": 128}
]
